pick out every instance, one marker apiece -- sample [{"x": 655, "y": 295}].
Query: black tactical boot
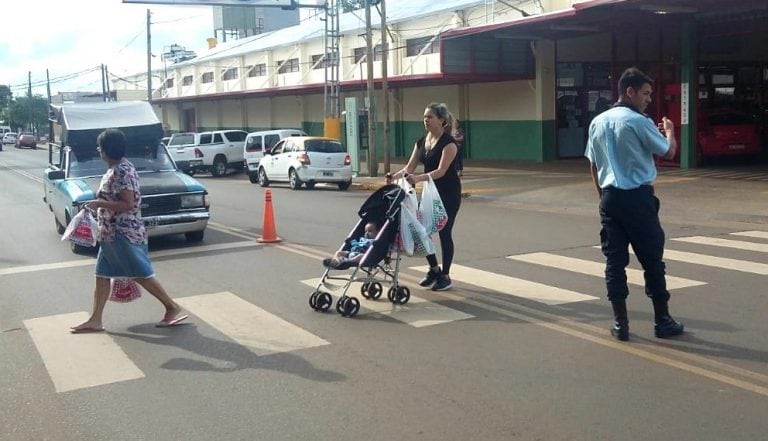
[
  {"x": 620, "y": 328},
  {"x": 664, "y": 325}
]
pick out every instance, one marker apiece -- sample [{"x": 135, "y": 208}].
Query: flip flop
[
  {"x": 167, "y": 323},
  {"x": 85, "y": 330}
]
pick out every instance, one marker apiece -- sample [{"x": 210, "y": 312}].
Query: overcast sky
[{"x": 72, "y": 36}]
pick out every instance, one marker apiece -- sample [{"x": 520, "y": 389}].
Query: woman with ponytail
[{"x": 437, "y": 151}]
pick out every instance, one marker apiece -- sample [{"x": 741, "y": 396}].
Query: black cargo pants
[{"x": 631, "y": 217}]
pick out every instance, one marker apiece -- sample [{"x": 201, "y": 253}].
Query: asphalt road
[{"x": 519, "y": 349}]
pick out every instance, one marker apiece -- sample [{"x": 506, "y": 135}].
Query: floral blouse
[{"x": 121, "y": 176}]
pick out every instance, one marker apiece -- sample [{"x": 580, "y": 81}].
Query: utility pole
[
  {"x": 50, "y": 124},
  {"x": 149, "y": 58},
  {"x": 29, "y": 98},
  {"x": 103, "y": 85},
  {"x": 106, "y": 78},
  {"x": 373, "y": 165},
  {"x": 384, "y": 87}
]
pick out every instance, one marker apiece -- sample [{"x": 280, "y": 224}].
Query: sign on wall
[{"x": 259, "y": 3}]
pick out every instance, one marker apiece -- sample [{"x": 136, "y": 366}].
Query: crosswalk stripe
[
  {"x": 744, "y": 266},
  {"x": 538, "y": 292},
  {"x": 597, "y": 269},
  {"x": 725, "y": 243},
  {"x": 755, "y": 234},
  {"x": 247, "y": 324},
  {"x": 79, "y": 361},
  {"x": 418, "y": 312}
]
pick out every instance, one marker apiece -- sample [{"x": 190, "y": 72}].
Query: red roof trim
[
  {"x": 593, "y": 3},
  {"x": 519, "y": 22}
]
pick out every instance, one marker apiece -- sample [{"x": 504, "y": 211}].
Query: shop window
[
  {"x": 288, "y": 66},
  {"x": 207, "y": 77},
  {"x": 169, "y": 83},
  {"x": 187, "y": 80}
]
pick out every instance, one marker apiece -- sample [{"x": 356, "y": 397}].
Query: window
[
  {"x": 291, "y": 65},
  {"x": 271, "y": 140},
  {"x": 217, "y": 138},
  {"x": 359, "y": 54},
  {"x": 258, "y": 70},
  {"x": 207, "y": 77},
  {"x": 236, "y": 135},
  {"x": 316, "y": 61},
  {"x": 205, "y": 138},
  {"x": 169, "y": 83},
  {"x": 229, "y": 74},
  {"x": 253, "y": 144},
  {"x": 415, "y": 45},
  {"x": 322, "y": 146},
  {"x": 378, "y": 52},
  {"x": 187, "y": 80}
]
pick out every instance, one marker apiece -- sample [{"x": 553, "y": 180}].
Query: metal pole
[
  {"x": 373, "y": 166},
  {"x": 103, "y": 85},
  {"x": 50, "y": 123},
  {"x": 384, "y": 86},
  {"x": 149, "y": 58},
  {"x": 29, "y": 99}
]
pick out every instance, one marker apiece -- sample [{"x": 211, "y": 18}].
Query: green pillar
[
  {"x": 545, "y": 99},
  {"x": 689, "y": 96}
]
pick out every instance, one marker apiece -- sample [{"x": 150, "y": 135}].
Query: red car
[
  {"x": 728, "y": 132},
  {"x": 26, "y": 140}
]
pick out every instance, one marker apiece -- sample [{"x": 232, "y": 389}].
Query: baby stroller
[{"x": 375, "y": 267}]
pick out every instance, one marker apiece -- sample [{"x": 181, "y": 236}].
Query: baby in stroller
[{"x": 357, "y": 251}]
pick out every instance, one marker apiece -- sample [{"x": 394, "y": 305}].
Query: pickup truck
[
  {"x": 214, "y": 151},
  {"x": 171, "y": 202}
]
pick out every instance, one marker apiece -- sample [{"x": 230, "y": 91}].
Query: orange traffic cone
[{"x": 268, "y": 233}]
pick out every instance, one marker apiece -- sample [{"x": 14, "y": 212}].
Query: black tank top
[{"x": 450, "y": 184}]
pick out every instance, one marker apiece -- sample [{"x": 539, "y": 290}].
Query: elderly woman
[
  {"x": 123, "y": 249},
  {"x": 437, "y": 150}
]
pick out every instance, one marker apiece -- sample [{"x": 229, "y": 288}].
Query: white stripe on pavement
[
  {"x": 755, "y": 234},
  {"x": 79, "y": 361},
  {"x": 247, "y": 324},
  {"x": 744, "y": 266},
  {"x": 538, "y": 292},
  {"x": 417, "y": 312},
  {"x": 725, "y": 243},
  {"x": 597, "y": 269}
]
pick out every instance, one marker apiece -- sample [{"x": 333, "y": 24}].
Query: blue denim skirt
[{"x": 120, "y": 258}]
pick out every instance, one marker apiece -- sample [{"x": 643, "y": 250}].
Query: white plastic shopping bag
[
  {"x": 82, "y": 229},
  {"x": 414, "y": 239},
  {"x": 432, "y": 212}
]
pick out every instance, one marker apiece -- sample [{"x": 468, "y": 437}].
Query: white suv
[
  {"x": 306, "y": 160},
  {"x": 257, "y": 143},
  {"x": 208, "y": 151}
]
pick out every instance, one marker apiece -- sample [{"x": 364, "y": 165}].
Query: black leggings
[{"x": 451, "y": 205}]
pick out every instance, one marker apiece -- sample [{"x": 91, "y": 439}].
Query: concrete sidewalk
[{"x": 730, "y": 197}]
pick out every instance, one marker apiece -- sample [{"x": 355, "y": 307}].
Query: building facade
[{"x": 524, "y": 77}]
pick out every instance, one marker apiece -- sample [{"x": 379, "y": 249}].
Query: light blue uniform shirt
[{"x": 621, "y": 144}]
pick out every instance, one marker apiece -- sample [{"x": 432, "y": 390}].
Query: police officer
[{"x": 621, "y": 145}]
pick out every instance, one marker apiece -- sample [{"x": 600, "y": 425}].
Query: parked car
[
  {"x": 9, "y": 138},
  {"x": 306, "y": 160},
  {"x": 214, "y": 151},
  {"x": 728, "y": 132},
  {"x": 171, "y": 202},
  {"x": 257, "y": 142},
  {"x": 26, "y": 139}
]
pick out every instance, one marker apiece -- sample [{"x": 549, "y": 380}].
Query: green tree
[
  {"x": 351, "y": 5},
  {"x": 5, "y": 101},
  {"x": 29, "y": 113}
]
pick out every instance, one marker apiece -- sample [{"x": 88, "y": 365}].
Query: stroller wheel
[
  {"x": 391, "y": 294},
  {"x": 375, "y": 290},
  {"x": 364, "y": 290},
  {"x": 351, "y": 307},
  {"x": 403, "y": 295},
  {"x": 340, "y": 304},
  {"x": 313, "y": 300},
  {"x": 323, "y": 302}
]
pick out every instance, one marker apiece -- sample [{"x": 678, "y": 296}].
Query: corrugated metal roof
[{"x": 397, "y": 11}]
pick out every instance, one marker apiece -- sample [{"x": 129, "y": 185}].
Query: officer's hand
[{"x": 667, "y": 126}]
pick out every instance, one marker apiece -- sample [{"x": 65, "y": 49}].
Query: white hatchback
[
  {"x": 259, "y": 142},
  {"x": 306, "y": 160}
]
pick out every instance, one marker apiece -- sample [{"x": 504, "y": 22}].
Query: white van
[{"x": 257, "y": 142}]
